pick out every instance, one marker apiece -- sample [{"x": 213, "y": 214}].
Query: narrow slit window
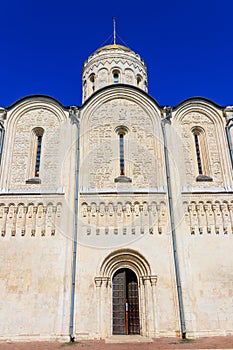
[
  {"x": 122, "y": 158},
  {"x": 198, "y": 154},
  {"x": 202, "y": 155},
  {"x": 92, "y": 80},
  {"x": 139, "y": 81},
  {"x": 121, "y": 132},
  {"x": 38, "y": 155}
]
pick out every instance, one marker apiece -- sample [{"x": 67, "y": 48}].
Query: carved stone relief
[
  {"x": 21, "y": 155},
  {"x": 141, "y": 147},
  {"x": 29, "y": 219},
  {"x": 209, "y": 217},
  {"x": 190, "y": 121},
  {"x": 124, "y": 218}
]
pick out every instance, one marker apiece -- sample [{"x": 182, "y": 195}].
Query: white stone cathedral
[{"x": 115, "y": 216}]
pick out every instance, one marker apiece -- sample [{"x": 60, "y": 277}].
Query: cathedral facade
[{"x": 116, "y": 216}]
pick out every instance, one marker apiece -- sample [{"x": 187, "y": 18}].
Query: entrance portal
[{"x": 125, "y": 302}]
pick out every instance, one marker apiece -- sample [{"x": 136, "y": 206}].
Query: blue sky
[{"x": 186, "y": 44}]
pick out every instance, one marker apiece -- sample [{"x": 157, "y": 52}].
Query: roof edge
[
  {"x": 189, "y": 99},
  {"x": 113, "y": 86},
  {"x": 33, "y": 96}
]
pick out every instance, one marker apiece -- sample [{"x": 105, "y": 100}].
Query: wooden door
[
  {"x": 132, "y": 297},
  {"x": 125, "y": 291},
  {"x": 118, "y": 301}
]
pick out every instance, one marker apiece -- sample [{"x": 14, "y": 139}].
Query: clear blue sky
[{"x": 186, "y": 44}]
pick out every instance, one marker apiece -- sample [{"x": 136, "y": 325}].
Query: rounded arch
[
  {"x": 116, "y": 75},
  {"x": 128, "y": 93},
  {"x": 103, "y": 77},
  {"x": 210, "y": 111},
  {"x": 36, "y": 102},
  {"x": 125, "y": 258}
]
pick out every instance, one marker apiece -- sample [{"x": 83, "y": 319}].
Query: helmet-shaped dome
[{"x": 113, "y": 64}]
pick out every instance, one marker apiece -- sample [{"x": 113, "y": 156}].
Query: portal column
[
  {"x": 149, "y": 305},
  {"x": 153, "y": 281},
  {"x": 142, "y": 307},
  {"x": 103, "y": 306},
  {"x": 98, "y": 283}
]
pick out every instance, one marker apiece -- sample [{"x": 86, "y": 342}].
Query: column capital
[
  {"x": 149, "y": 278},
  {"x": 99, "y": 281}
]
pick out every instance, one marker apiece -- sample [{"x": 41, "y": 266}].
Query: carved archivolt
[
  {"x": 29, "y": 219},
  {"x": 209, "y": 217},
  {"x": 124, "y": 218}
]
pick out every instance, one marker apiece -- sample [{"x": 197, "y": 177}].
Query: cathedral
[{"x": 116, "y": 216}]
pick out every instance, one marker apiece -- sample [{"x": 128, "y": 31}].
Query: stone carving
[
  {"x": 29, "y": 219},
  {"x": 117, "y": 218},
  {"x": 209, "y": 217},
  {"x": 142, "y": 149},
  {"x": 22, "y": 150},
  {"x": 196, "y": 118},
  {"x": 210, "y": 152}
]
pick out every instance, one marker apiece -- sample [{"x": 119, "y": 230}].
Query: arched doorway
[{"x": 125, "y": 302}]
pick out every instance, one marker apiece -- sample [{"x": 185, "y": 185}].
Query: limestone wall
[
  {"x": 36, "y": 222},
  {"x": 203, "y": 218},
  {"x": 35, "y": 287}
]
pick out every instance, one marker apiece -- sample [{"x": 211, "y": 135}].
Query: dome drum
[{"x": 113, "y": 64}]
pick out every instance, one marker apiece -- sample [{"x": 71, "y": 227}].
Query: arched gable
[
  {"x": 20, "y": 144},
  {"x": 107, "y": 111},
  {"x": 199, "y": 126}
]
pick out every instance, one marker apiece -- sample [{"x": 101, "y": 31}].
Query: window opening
[
  {"x": 38, "y": 155},
  {"x": 84, "y": 89},
  {"x": 139, "y": 79},
  {"x": 92, "y": 80},
  {"x": 202, "y": 158},
  {"x": 122, "y": 158},
  {"x": 198, "y": 154},
  {"x": 116, "y": 77},
  {"x": 121, "y": 132}
]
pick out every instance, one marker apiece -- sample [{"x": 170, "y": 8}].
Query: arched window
[
  {"x": 35, "y": 156},
  {"x": 122, "y": 131},
  {"x": 84, "y": 89},
  {"x": 198, "y": 151},
  {"x": 202, "y": 157},
  {"x": 139, "y": 81},
  {"x": 116, "y": 76},
  {"x": 92, "y": 80},
  {"x": 37, "y": 147},
  {"x": 38, "y": 155}
]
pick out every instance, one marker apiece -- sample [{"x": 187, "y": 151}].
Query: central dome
[{"x": 113, "y": 64}]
